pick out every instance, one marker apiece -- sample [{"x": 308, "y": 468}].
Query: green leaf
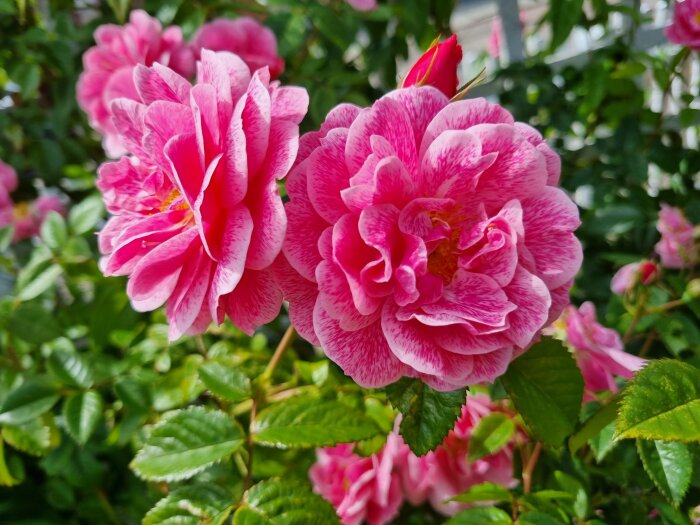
[
  {"x": 563, "y": 16},
  {"x": 42, "y": 282},
  {"x": 185, "y": 443},
  {"x": 537, "y": 518},
  {"x": 33, "y": 437},
  {"x": 280, "y": 502},
  {"x": 428, "y": 415},
  {"x": 480, "y": 516},
  {"x": 490, "y": 435},
  {"x": 54, "y": 231},
  {"x": 312, "y": 422},
  {"x": 669, "y": 465},
  {"x": 134, "y": 394},
  {"x": 70, "y": 368},
  {"x": 82, "y": 412},
  {"x": 484, "y": 492},
  {"x": 191, "y": 505},
  {"x": 6, "y": 235},
  {"x": 33, "y": 324},
  {"x": 28, "y": 401},
  {"x": 28, "y": 77},
  {"x": 662, "y": 402},
  {"x": 7, "y": 478},
  {"x": 225, "y": 381},
  {"x": 570, "y": 484},
  {"x": 546, "y": 388},
  {"x": 85, "y": 215},
  {"x": 595, "y": 424}
]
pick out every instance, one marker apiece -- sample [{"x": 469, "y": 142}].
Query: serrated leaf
[
  {"x": 546, "y": 388},
  {"x": 185, "y": 443},
  {"x": 28, "y": 401},
  {"x": 54, "y": 231},
  {"x": 662, "y": 402},
  {"x": 32, "y": 437},
  {"x": 82, "y": 412},
  {"x": 134, "y": 394},
  {"x": 225, "y": 381},
  {"x": 573, "y": 486},
  {"x": 595, "y": 424},
  {"x": 192, "y": 505},
  {"x": 312, "y": 422},
  {"x": 85, "y": 215},
  {"x": 669, "y": 465},
  {"x": 40, "y": 283},
  {"x": 70, "y": 368},
  {"x": 279, "y": 502},
  {"x": 427, "y": 415},
  {"x": 490, "y": 435},
  {"x": 484, "y": 492},
  {"x": 480, "y": 516}
]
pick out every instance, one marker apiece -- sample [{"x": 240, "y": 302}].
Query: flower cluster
[
  {"x": 372, "y": 489},
  {"x": 598, "y": 350},
  {"x": 196, "y": 215},
  {"x": 109, "y": 66},
  {"x": 24, "y": 217}
]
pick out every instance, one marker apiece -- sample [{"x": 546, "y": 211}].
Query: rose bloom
[
  {"x": 426, "y": 239},
  {"x": 196, "y": 216},
  {"x": 598, "y": 350},
  {"x": 363, "y": 5},
  {"x": 446, "y": 471},
  {"x": 27, "y": 217},
  {"x": 630, "y": 275},
  {"x": 254, "y": 43},
  {"x": 437, "y": 67},
  {"x": 676, "y": 248},
  {"x": 109, "y": 66},
  {"x": 685, "y": 27},
  {"x": 8, "y": 184},
  {"x": 362, "y": 489}
]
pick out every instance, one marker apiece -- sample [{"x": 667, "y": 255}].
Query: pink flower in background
[
  {"x": 8, "y": 184},
  {"x": 437, "y": 67},
  {"x": 363, "y": 5},
  {"x": 598, "y": 350},
  {"x": 676, "y": 247},
  {"x": 362, "y": 489},
  {"x": 685, "y": 27},
  {"x": 197, "y": 219},
  {"x": 245, "y": 37},
  {"x": 27, "y": 217},
  {"x": 426, "y": 239},
  {"x": 109, "y": 66},
  {"x": 494, "y": 44},
  {"x": 446, "y": 471},
  {"x": 627, "y": 277}
]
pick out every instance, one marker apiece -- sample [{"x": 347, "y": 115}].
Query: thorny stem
[
  {"x": 530, "y": 467},
  {"x": 285, "y": 343},
  {"x": 666, "y": 306}
]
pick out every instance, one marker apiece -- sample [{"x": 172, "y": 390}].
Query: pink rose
[
  {"x": 8, "y": 184},
  {"x": 676, "y": 247},
  {"x": 437, "y": 67},
  {"x": 426, "y": 239},
  {"x": 362, "y": 489},
  {"x": 627, "y": 277},
  {"x": 598, "y": 350},
  {"x": 685, "y": 27},
  {"x": 109, "y": 66},
  {"x": 363, "y": 5},
  {"x": 446, "y": 471},
  {"x": 27, "y": 217},
  {"x": 197, "y": 219},
  {"x": 245, "y": 37}
]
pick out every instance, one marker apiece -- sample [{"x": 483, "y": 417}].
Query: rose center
[
  {"x": 697, "y": 17},
  {"x": 174, "y": 201}
]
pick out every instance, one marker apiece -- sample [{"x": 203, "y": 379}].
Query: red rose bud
[
  {"x": 648, "y": 271},
  {"x": 437, "y": 67}
]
